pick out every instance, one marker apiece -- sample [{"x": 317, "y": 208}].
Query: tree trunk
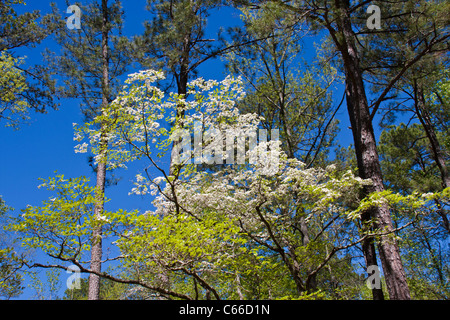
[
  {"x": 368, "y": 245},
  {"x": 96, "y": 242},
  {"x": 182, "y": 79},
  {"x": 367, "y": 156},
  {"x": 370, "y": 255},
  {"x": 311, "y": 281},
  {"x": 425, "y": 120}
]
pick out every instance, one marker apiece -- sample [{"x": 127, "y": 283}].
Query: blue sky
[{"x": 46, "y": 145}]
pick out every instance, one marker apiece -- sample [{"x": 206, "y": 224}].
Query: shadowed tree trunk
[
  {"x": 425, "y": 120},
  {"x": 367, "y": 159}
]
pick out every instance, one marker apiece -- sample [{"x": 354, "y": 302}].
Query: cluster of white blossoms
[
  {"x": 201, "y": 84},
  {"x": 149, "y": 76},
  {"x": 256, "y": 203},
  {"x": 141, "y": 113},
  {"x": 259, "y": 173},
  {"x": 213, "y": 128},
  {"x": 249, "y": 195},
  {"x": 133, "y": 118},
  {"x": 214, "y": 146}
]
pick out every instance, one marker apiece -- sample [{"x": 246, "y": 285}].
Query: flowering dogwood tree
[{"x": 238, "y": 230}]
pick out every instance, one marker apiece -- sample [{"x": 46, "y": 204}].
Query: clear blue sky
[{"x": 46, "y": 144}]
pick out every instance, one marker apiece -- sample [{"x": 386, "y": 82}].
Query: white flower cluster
[
  {"x": 81, "y": 148},
  {"x": 137, "y": 121},
  {"x": 149, "y": 76}
]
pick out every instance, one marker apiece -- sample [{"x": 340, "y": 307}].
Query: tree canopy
[{"x": 314, "y": 166}]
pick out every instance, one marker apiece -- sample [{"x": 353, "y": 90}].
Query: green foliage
[
  {"x": 63, "y": 224},
  {"x": 19, "y": 30},
  {"x": 234, "y": 231},
  {"x": 174, "y": 39},
  {"x": 14, "y": 106},
  {"x": 438, "y": 101},
  {"x": 11, "y": 282},
  {"x": 288, "y": 92},
  {"x": 10, "y": 263},
  {"x": 407, "y": 150},
  {"x": 79, "y": 67},
  {"x": 46, "y": 288},
  {"x": 21, "y": 88}
]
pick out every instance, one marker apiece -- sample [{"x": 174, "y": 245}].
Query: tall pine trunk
[
  {"x": 182, "y": 78},
  {"x": 367, "y": 159},
  {"x": 438, "y": 155},
  {"x": 425, "y": 120},
  {"x": 368, "y": 245},
  {"x": 96, "y": 242}
]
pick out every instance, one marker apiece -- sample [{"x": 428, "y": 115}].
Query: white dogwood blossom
[{"x": 81, "y": 148}]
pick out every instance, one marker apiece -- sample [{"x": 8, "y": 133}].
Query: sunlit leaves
[
  {"x": 63, "y": 224},
  {"x": 14, "y": 107}
]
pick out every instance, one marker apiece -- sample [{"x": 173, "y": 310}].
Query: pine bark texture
[
  {"x": 368, "y": 160},
  {"x": 96, "y": 246},
  {"x": 425, "y": 120}
]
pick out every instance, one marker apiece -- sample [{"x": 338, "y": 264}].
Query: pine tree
[
  {"x": 289, "y": 97},
  {"x": 22, "y": 87},
  {"x": 175, "y": 41},
  {"x": 92, "y": 60},
  {"x": 346, "y": 23}
]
